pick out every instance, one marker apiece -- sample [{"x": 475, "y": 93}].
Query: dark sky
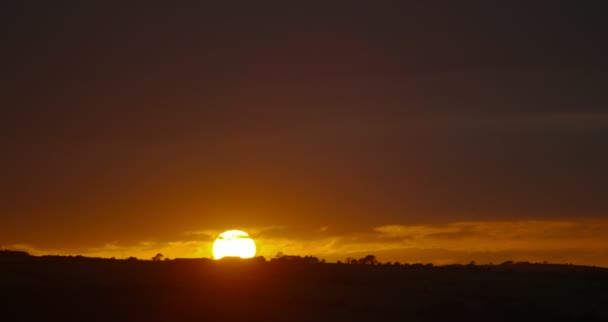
[{"x": 139, "y": 122}]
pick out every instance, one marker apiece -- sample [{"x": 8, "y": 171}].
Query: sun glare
[{"x": 233, "y": 243}]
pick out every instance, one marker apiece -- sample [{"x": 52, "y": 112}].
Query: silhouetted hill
[
  {"x": 12, "y": 254},
  {"x": 52, "y": 288}
]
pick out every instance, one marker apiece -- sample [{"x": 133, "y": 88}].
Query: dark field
[{"x": 84, "y": 289}]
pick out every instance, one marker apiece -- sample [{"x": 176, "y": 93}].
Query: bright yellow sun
[{"x": 233, "y": 243}]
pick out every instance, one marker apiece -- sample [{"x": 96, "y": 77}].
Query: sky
[{"x": 436, "y": 131}]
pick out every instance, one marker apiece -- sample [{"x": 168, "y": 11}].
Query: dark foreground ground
[{"x": 82, "y": 289}]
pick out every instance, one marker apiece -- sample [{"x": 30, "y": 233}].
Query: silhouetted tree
[
  {"x": 368, "y": 260},
  {"x": 158, "y": 257},
  {"x": 296, "y": 259},
  {"x": 259, "y": 259},
  {"x": 311, "y": 259}
]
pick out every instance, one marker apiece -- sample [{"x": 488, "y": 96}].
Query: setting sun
[{"x": 234, "y": 243}]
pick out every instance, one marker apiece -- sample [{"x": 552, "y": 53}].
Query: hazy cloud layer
[{"x": 578, "y": 242}]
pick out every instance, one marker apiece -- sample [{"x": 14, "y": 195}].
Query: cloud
[
  {"x": 484, "y": 236},
  {"x": 579, "y": 242}
]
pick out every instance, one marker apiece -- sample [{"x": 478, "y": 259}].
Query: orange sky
[{"x": 442, "y": 132}]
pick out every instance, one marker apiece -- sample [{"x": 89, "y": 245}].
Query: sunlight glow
[{"x": 234, "y": 243}]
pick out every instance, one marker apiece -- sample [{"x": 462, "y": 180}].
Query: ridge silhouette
[{"x": 294, "y": 288}]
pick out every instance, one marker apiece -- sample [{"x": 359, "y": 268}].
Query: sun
[{"x": 233, "y": 243}]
